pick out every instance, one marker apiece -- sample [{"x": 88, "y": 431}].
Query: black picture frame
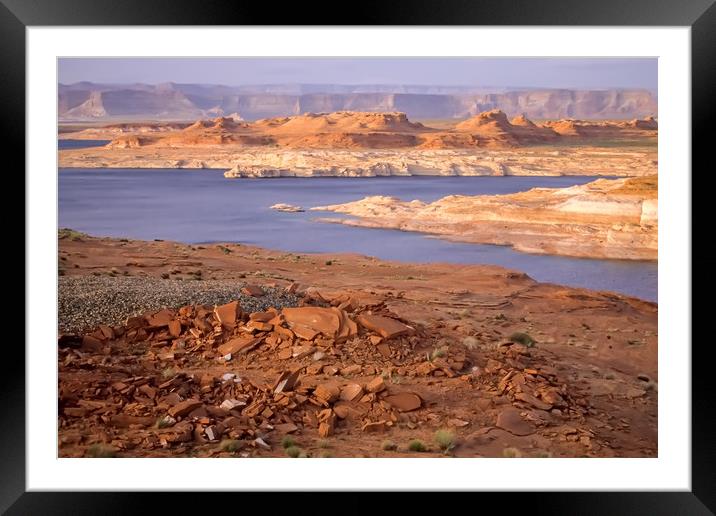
[{"x": 700, "y": 15}]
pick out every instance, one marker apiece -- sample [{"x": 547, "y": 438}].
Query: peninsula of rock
[{"x": 606, "y": 218}]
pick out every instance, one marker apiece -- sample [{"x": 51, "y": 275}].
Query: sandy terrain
[
  {"x": 378, "y": 354},
  {"x": 607, "y": 218}
]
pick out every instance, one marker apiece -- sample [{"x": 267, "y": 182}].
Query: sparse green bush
[
  {"x": 323, "y": 443},
  {"x": 329, "y": 262},
  {"x": 293, "y": 452},
  {"x": 511, "y": 453},
  {"x": 542, "y": 454},
  {"x": 445, "y": 440},
  {"x": 522, "y": 338},
  {"x": 101, "y": 451},
  {"x": 470, "y": 342},
  {"x": 70, "y": 234},
  {"x": 164, "y": 422},
  {"x": 230, "y": 445},
  {"x": 389, "y": 445},
  {"x": 416, "y": 445},
  {"x": 288, "y": 442},
  {"x": 437, "y": 353}
]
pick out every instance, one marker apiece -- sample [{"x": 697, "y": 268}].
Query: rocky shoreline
[
  {"x": 607, "y": 218},
  {"x": 258, "y": 163}
]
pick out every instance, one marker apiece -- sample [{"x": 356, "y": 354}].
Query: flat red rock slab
[
  {"x": 160, "y": 318},
  {"x": 183, "y": 408},
  {"x": 375, "y": 427},
  {"x": 327, "y": 392},
  {"x": 510, "y": 420},
  {"x": 90, "y": 343},
  {"x": 123, "y": 421},
  {"x": 404, "y": 401},
  {"x": 262, "y": 316},
  {"x": 253, "y": 291},
  {"x": 531, "y": 400},
  {"x": 377, "y": 384},
  {"x": 313, "y": 320},
  {"x": 351, "y": 410},
  {"x": 351, "y": 392},
  {"x": 386, "y": 327},
  {"x": 384, "y": 350},
  {"x": 174, "y": 328},
  {"x": 287, "y": 381},
  {"x": 286, "y": 428},
  {"x": 228, "y": 313},
  {"x": 181, "y": 432},
  {"x": 239, "y": 345}
]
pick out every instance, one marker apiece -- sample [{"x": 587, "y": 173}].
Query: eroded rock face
[
  {"x": 378, "y": 130},
  {"x": 370, "y": 144},
  {"x": 259, "y": 162},
  {"x": 605, "y": 218}
]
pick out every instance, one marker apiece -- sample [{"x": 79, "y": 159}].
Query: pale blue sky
[{"x": 586, "y": 73}]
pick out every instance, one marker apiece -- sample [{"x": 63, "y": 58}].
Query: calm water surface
[
  {"x": 201, "y": 206},
  {"x": 80, "y": 144}
]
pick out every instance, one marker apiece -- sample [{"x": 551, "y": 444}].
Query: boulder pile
[{"x": 170, "y": 381}]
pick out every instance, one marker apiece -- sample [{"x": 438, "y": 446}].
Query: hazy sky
[{"x": 587, "y": 73}]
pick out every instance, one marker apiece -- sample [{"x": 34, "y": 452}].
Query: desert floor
[{"x": 380, "y": 354}]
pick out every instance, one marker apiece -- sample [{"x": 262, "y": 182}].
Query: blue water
[
  {"x": 201, "y": 206},
  {"x": 80, "y": 144}
]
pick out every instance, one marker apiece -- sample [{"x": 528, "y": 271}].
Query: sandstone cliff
[{"x": 360, "y": 144}]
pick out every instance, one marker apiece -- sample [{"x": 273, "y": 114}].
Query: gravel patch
[{"x": 87, "y": 301}]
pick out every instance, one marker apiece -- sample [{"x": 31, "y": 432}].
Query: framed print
[{"x": 418, "y": 252}]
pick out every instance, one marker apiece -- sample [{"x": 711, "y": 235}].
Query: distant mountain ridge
[{"x": 171, "y": 101}]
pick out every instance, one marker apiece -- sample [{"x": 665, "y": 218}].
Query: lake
[
  {"x": 80, "y": 144},
  {"x": 201, "y": 206}
]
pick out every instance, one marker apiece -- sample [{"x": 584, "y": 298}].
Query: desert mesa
[{"x": 369, "y": 144}]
